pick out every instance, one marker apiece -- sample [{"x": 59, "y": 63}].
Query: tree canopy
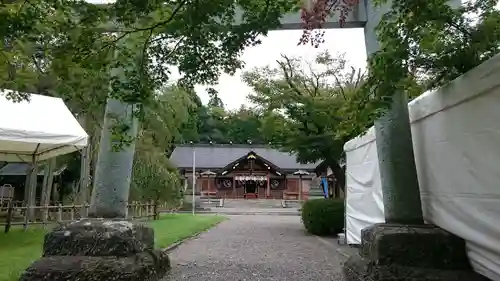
[
  {"x": 423, "y": 46},
  {"x": 87, "y": 53},
  {"x": 73, "y": 49},
  {"x": 303, "y": 105}
]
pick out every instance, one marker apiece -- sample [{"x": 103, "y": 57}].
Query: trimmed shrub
[{"x": 323, "y": 216}]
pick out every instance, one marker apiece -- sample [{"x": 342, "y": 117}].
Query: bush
[{"x": 323, "y": 216}]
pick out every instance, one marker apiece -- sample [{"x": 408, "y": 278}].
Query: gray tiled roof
[
  {"x": 14, "y": 169},
  {"x": 21, "y": 169},
  {"x": 218, "y": 156}
]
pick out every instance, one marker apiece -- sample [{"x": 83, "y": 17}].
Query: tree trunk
[{"x": 339, "y": 173}]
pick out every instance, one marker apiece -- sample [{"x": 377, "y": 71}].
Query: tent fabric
[
  {"x": 364, "y": 204},
  {"x": 38, "y": 129},
  {"x": 456, "y": 137}
]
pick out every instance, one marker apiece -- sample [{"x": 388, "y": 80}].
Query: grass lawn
[{"x": 18, "y": 249}]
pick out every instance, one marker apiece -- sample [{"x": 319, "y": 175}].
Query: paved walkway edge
[
  {"x": 180, "y": 242},
  {"x": 246, "y": 213},
  {"x": 342, "y": 250}
]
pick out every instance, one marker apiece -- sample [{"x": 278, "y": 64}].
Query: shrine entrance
[
  {"x": 252, "y": 185},
  {"x": 251, "y": 189}
]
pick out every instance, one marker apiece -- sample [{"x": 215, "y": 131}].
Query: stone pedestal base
[
  {"x": 99, "y": 250},
  {"x": 391, "y": 252}
]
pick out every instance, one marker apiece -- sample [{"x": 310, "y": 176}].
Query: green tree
[
  {"x": 423, "y": 45},
  {"x": 214, "y": 100},
  {"x": 147, "y": 37},
  {"x": 244, "y": 125},
  {"x": 216, "y": 125},
  {"x": 190, "y": 129},
  {"x": 303, "y": 107},
  {"x": 154, "y": 177}
]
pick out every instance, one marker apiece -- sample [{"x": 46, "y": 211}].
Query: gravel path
[{"x": 255, "y": 248}]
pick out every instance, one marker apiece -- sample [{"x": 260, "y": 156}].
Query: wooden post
[
  {"x": 72, "y": 213},
  {"x": 152, "y": 208},
  {"x": 59, "y": 213},
  {"x": 155, "y": 210},
  {"x": 132, "y": 208},
  {"x": 268, "y": 188},
  {"x": 45, "y": 214},
  {"x": 137, "y": 210},
  {"x": 234, "y": 187},
  {"x": 285, "y": 187},
  {"x": 9, "y": 216},
  {"x": 26, "y": 219},
  {"x": 86, "y": 210},
  {"x": 127, "y": 213},
  {"x": 300, "y": 188}
]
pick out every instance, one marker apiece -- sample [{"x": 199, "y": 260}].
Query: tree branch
[
  {"x": 286, "y": 67},
  {"x": 149, "y": 28}
]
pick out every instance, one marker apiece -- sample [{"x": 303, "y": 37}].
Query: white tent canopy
[{"x": 38, "y": 129}]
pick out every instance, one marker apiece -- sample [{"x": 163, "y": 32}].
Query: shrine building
[{"x": 243, "y": 171}]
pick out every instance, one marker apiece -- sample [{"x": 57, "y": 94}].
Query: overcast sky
[{"x": 233, "y": 91}]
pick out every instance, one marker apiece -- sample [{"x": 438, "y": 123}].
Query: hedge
[{"x": 323, "y": 216}]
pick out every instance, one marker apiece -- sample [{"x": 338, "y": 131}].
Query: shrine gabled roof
[{"x": 218, "y": 156}]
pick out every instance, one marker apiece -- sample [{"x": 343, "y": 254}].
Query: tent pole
[
  {"x": 48, "y": 178},
  {"x": 30, "y": 212},
  {"x": 84, "y": 179},
  {"x": 27, "y": 186}
]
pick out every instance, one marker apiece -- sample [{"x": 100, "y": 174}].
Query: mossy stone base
[
  {"x": 357, "y": 268},
  {"x": 99, "y": 250},
  {"x": 419, "y": 246},
  {"x": 99, "y": 237},
  {"x": 391, "y": 252},
  {"x": 146, "y": 266}
]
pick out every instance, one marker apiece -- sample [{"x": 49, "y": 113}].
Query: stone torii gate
[
  {"x": 364, "y": 14},
  {"x": 97, "y": 243}
]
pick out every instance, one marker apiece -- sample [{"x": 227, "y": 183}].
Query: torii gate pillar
[
  {"x": 402, "y": 202},
  {"x": 401, "y": 198},
  {"x": 403, "y": 248}
]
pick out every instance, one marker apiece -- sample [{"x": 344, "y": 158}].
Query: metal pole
[
  {"x": 300, "y": 188},
  {"x": 194, "y": 178}
]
